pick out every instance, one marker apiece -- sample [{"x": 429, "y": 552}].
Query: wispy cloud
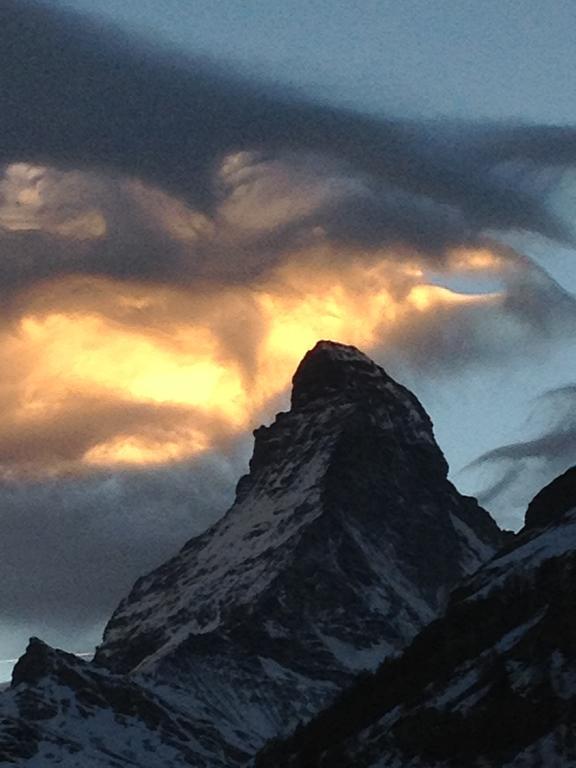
[{"x": 523, "y": 467}]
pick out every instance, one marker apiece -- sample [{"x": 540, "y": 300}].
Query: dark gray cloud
[
  {"x": 76, "y": 94},
  {"x": 72, "y": 547}
]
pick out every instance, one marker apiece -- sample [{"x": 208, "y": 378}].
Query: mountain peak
[
  {"x": 332, "y": 368},
  {"x": 553, "y": 501},
  {"x": 334, "y": 350},
  {"x": 354, "y": 462},
  {"x": 34, "y": 664}
]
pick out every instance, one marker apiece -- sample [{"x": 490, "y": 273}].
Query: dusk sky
[{"x": 193, "y": 193}]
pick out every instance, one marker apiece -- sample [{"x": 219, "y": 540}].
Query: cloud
[
  {"x": 557, "y": 443},
  {"x": 138, "y": 330},
  {"x": 525, "y": 466},
  {"x": 151, "y": 166},
  {"x": 173, "y": 239},
  {"x": 71, "y": 547},
  {"x": 106, "y": 372},
  {"x": 115, "y": 105}
]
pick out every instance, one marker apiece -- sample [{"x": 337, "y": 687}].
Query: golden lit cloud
[
  {"x": 137, "y": 450},
  {"x": 476, "y": 260},
  {"x": 160, "y": 367},
  {"x": 87, "y": 350},
  {"x": 100, "y": 371}
]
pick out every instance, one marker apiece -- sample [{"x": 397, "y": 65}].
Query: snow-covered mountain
[
  {"x": 344, "y": 540},
  {"x": 62, "y": 711},
  {"x": 491, "y": 684}
]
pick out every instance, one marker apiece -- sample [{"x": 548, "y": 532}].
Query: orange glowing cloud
[
  {"x": 101, "y": 372},
  {"x": 167, "y": 374}
]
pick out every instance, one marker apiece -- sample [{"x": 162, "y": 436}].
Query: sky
[{"x": 193, "y": 193}]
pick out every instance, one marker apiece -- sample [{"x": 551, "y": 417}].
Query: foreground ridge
[
  {"x": 491, "y": 684},
  {"x": 345, "y": 539}
]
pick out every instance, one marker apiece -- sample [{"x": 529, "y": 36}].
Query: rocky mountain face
[
  {"x": 491, "y": 684},
  {"x": 345, "y": 539}
]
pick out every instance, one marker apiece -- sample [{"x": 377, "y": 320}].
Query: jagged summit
[
  {"x": 61, "y": 710},
  {"x": 33, "y": 664},
  {"x": 331, "y": 368},
  {"x": 336, "y": 391}
]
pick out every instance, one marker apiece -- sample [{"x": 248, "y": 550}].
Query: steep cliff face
[
  {"x": 344, "y": 540},
  {"x": 492, "y": 683}
]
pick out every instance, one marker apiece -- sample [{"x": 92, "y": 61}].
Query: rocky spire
[{"x": 335, "y": 369}]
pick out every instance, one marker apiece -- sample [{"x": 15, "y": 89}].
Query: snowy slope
[
  {"x": 63, "y": 711},
  {"x": 345, "y": 539},
  {"x": 491, "y": 684}
]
